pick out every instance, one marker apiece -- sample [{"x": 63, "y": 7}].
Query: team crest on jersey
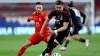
[{"x": 61, "y": 18}]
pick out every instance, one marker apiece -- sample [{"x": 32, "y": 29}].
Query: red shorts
[{"x": 36, "y": 38}]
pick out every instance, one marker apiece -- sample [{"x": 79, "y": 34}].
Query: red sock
[
  {"x": 50, "y": 53},
  {"x": 22, "y": 50}
]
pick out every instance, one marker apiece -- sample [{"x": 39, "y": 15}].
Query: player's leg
[
  {"x": 50, "y": 46},
  {"x": 46, "y": 38},
  {"x": 76, "y": 36},
  {"x": 23, "y": 48},
  {"x": 34, "y": 39},
  {"x": 67, "y": 39},
  {"x": 86, "y": 41},
  {"x": 66, "y": 43},
  {"x": 53, "y": 42}
]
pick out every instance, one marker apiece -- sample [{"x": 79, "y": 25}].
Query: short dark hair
[
  {"x": 39, "y": 3},
  {"x": 59, "y": 2},
  {"x": 71, "y": 4}
]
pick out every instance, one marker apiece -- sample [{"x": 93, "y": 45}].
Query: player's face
[
  {"x": 39, "y": 8},
  {"x": 59, "y": 8}
]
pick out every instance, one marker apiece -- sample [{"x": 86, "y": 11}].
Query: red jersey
[{"x": 39, "y": 20}]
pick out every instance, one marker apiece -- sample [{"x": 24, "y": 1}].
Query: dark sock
[
  {"x": 49, "y": 48},
  {"x": 82, "y": 40},
  {"x": 67, "y": 42},
  {"x": 45, "y": 51}
]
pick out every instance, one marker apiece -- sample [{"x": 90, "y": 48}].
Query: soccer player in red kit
[{"x": 39, "y": 17}]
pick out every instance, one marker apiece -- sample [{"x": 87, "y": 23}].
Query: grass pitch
[{"x": 10, "y": 44}]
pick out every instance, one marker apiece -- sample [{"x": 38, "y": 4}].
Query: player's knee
[
  {"x": 75, "y": 37},
  {"x": 27, "y": 44}
]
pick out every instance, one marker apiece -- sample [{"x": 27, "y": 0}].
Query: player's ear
[
  {"x": 42, "y": 6},
  {"x": 35, "y": 6}
]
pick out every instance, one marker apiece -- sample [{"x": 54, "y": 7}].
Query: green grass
[{"x": 10, "y": 44}]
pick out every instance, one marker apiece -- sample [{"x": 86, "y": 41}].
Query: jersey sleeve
[
  {"x": 84, "y": 16},
  {"x": 30, "y": 18},
  {"x": 45, "y": 15},
  {"x": 66, "y": 16}
]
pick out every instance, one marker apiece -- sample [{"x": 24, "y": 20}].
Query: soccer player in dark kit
[
  {"x": 61, "y": 27},
  {"x": 76, "y": 25}
]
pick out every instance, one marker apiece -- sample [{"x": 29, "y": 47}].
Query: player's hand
[
  {"x": 41, "y": 32},
  {"x": 28, "y": 20},
  {"x": 54, "y": 33}
]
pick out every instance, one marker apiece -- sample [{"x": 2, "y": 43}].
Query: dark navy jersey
[
  {"x": 60, "y": 17},
  {"x": 76, "y": 16}
]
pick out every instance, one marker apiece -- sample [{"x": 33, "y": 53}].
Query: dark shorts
[
  {"x": 76, "y": 29},
  {"x": 36, "y": 38},
  {"x": 60, "y": 38},
  {"x": 61, "y": 35}
]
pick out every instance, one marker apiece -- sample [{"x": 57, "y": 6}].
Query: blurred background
[{"x": 14, "y": 14}]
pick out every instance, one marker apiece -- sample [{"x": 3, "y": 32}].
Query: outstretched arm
[
  {"x": 46, "y": 21},
  {"x": 44, "y": 24},
  {"x": 30, "y": 18},
  {"x": 84, "y": 17}
]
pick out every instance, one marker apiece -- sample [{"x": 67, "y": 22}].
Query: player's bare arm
[
  {"x": 65, "y": 25},
  {"x": 44, "y": 24}
]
